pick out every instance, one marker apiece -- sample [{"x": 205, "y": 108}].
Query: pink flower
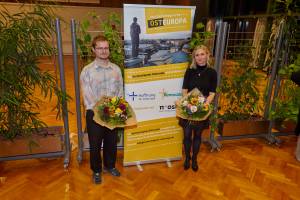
[
  {"x": 122, "y": 106},
  {"x": 106, "y": 110},
  {"x": 194, "y": 109}
]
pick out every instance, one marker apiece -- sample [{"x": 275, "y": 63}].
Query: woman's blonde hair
[{"x": 204, "y": 48}]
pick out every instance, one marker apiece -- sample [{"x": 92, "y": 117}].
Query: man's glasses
[{"x": 102, "y": 48}]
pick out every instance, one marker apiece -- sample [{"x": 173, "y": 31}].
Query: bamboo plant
[{"x": 24, "y": 39}]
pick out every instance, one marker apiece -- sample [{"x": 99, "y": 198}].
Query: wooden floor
[{"x": 243, "y": 169}]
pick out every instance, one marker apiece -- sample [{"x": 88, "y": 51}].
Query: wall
[{"x": 66, "y": 13}]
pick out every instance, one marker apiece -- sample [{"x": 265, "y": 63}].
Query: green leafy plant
[
  {"x": 24, "y": 38},
  {"x": 200, "y": 36},
  {"x": 286, "y": 71},
  {"x": 239, "y": 94},
  {"x": 110, "y": 31},
  {"x": 239, "y": 97},
  {"x": 288, "y": 11},
  {"x": 288, "y": 99},
  {"x": 285, "y": 7}
]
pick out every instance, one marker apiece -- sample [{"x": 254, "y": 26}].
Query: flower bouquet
[
  {"x": 113, "y": 112},
  {"x": 192, "y": 106}
]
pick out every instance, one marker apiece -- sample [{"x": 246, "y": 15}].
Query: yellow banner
[
  {"x": 154, "y": 73},
  {"x": 157, "y": 139},
  {"x": 156, "y": 39},
  {"x": 164, "y": 20}
]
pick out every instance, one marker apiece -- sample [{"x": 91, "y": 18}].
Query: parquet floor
[{"x": 243, "y": 169}]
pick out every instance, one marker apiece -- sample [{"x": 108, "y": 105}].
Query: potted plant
[
  {"x": 24, "y": 39},
  {"x": 239, "y": 112},
  {"x": 288, "y": 100}
]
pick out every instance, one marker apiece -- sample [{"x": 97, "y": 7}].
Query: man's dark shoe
[
  {"x": 112, "y": 171},
  {"x": 97, "y": 178}
]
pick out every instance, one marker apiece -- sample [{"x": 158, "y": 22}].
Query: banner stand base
[
  {"x": 139, "y": 163},
  {"x": 139, "y": 166},
  {"x": 169, "y": 164}
]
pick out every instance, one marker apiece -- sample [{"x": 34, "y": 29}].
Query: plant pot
[
  {"x": 45, "y": 141},
  {"x": 285, "y": 126},
  {"x": 242, "y": 127}
]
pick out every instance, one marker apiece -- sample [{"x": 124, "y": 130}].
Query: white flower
[
  {"x": 185, "y": 103},
  {"x": 201, "y": 99},
  {"x": 194, "y": 109}
]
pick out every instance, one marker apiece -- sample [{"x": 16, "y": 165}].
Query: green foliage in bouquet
[
  {"x": 193, "y": 106},
  {"x": 24, "y": 38},
  {"x": 114, "y": 111}
]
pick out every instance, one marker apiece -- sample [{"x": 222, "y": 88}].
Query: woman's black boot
[
  {"x": 187, "y": 164},
  {"x": 187, "y": 143},
  {"x": 195, "y": 165}
]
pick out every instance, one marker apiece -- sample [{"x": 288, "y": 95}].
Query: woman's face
[{"x": 201, "y": 57}]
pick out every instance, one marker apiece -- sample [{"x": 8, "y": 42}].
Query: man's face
[{"x": 101, "y": 50}]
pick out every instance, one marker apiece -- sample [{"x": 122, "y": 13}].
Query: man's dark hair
[{"x": 97, "y": 39}]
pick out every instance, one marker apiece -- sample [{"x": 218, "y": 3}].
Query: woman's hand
[
  {"x": 184, "y": 92},
  {"x": 210, "y": 97}
]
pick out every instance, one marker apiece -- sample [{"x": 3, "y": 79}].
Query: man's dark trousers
[{"x": 98, "y": 134}]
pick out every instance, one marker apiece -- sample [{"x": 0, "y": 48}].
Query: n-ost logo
[
  {"x": 167, "y": 108},
  {"x": 141, "y": 96}
]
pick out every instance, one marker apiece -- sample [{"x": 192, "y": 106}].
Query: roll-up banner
[{"x": 156, "y": 57}]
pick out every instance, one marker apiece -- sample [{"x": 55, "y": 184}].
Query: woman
[{"x": 198, "y": 75}]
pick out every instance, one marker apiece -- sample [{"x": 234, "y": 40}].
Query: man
[
  {"x": 101, "y": 78},
  {"x": 135, "y": 31}
]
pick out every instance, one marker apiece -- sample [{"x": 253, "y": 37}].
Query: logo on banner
[
  {"x": 163, "y": 20},
  {"x": 164, "y": 93},
  {"x": 141, "y": 96},
  {"x": 167, "y": 108}
]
